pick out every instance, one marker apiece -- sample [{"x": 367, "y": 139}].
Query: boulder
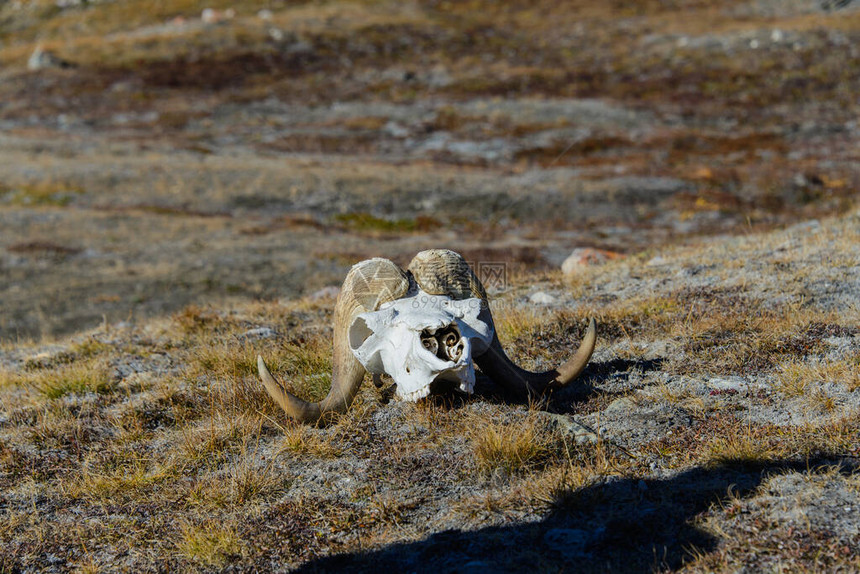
[
  {"x": 42, "y": 59},
  {"x": 582, "y": 257}
]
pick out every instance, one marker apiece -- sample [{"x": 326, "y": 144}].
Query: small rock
[
  {"x": 729, "y": 385},
  {"x": 49, "y": 356},
  {"x": 330, "y": 292},
  {"x": 210, "y": 16},
  {"x": 298, "y": 47},
  {"x": 396, "y": 130},
  {"x": 621, "y": 405},
  {"x": 580, "y": 433},
  {"x": 541, "y": 298},
  {"x": 805, "y": 227},
  {"x": 438, "y": 77},
  {"x": 264, "y": 14},
  {"x": 690, "y": 270},
  {"x": 42, "y": 59},
  {"x": 276, "y": 34},
  {"x": 582, "y": 257},
  {"x": 258, "y": 333}
]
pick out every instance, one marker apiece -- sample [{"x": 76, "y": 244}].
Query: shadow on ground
[
  {"x": 596, "y": 371},
  {"x": 586, "y": 385},
  {"x": 625, "y": 525}
]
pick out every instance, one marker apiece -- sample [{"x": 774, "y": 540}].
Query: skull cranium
[{"x": 422, "y": 339}]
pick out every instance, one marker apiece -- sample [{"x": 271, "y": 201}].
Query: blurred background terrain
[{"x": 155, "y": 153}]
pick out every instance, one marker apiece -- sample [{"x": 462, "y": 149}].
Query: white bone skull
[
  {"x": 421, "y": 325},
  {"x": 420, "y": 340}
]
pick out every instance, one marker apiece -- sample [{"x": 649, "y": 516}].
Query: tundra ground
[
  {"x": 177, "y": 160},
  {"x": 176, "y": 194},
  {"x": 715, "y": 429}
]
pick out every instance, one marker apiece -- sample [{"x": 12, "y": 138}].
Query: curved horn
[
  {"x": 367, "y": 285},
  {"x": 496, "y": 364},
  {"x": 444, "y": 272}
]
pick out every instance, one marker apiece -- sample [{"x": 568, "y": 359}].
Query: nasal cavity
[{"x": 450, "y": 343}]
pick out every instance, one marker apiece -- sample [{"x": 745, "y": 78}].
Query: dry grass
[
  {"x": 300, "y": 439},
  {"x": 743, "y": 446},
  {"x": 111, "y": 479},
  {"x": 211, "y": 544},
  {"x": 78, "y": 377},
  {"x": 515, "y": 321},
  {"x": 522, "y": 446},
  {"x": 211, "y": 440},
  {"x": 796, "y": 377},
  {"x": 243, "y": 483}
]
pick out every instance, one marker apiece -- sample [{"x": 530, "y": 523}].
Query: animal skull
[
  {"x": 422, "y": 325},
  {"x": 420, "y": 340}
]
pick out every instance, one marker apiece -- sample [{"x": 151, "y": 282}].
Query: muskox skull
[
  {"x": 422, "y": 339},
  {"x": 419, "y": 326}
]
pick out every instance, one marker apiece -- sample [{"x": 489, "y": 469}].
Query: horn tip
[
  {"x": 589, "y": 339},
  {"x": 264, "y": 372}
]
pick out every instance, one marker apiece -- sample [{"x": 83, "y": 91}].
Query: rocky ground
[
  {"x": 181, "y": 183},
  {"x": 162, "y": 156}
]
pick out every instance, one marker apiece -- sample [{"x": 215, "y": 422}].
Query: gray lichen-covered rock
[{"x": 42, "y": 59}]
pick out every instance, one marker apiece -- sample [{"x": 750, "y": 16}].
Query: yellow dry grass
[{"x": 210, "y": 544}]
